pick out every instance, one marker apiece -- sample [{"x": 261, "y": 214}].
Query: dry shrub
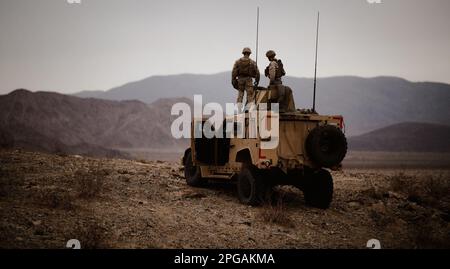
[
  {"x": 90, "y": 182},
  {"x": 438, "y": 187},
  {"x": 432, "y": 191},
  {"x": 10, "y": 181},
  {"x": 372, "y": 192},
  {"x": 5, "y": 187},
  {"x": 92, "y": 235},
  {"x": 381, "y": 219},
  {"x": 405, "y": 184},
  {"x": 274, "y": 212},
  {"x": 426, "y": 229},
  {"x": 430, "y": 235},
  {"x": 4, "y": 182},
  {"x": 56, "y": 199}
]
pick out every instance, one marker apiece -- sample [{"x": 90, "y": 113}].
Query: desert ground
[{"x": 45, "y": 200}]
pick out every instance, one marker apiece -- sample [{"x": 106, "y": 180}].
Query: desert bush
[
  {"x": 430, "y": 234},
  {"x": 5, "y": 185},
  {"x": 404, "y": 184},
  {"x": 430, "y": 191},
  {"x": 91, "y": 234},
  {"x": 56, "y": 199},
  {"x": 90, "y": 182},
  {"x": 380, "y": 218},
  {"x": 373, "y": 193},
  {"x": 438, "y": 187},
  {"x": 273, "y": 211},
  {"x": 10, "y": 181}
]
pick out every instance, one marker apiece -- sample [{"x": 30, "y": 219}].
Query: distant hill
[
  {"x": 405, "y": 137},
  {"x": 58, "y": 123},
  {"x": 367, "y": 104},
  {"x": 53, "y": 122}
]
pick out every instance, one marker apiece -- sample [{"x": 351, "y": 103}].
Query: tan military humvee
[{"x": 308, "y": 143}]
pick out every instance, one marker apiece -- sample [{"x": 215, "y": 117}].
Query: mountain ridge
[
  {"x": 404, "y": 137},
  {"x": 228, "y": 72},
  {"x": 54, "y": 122},
  {"x": 366, "y": 103},
  {"x": 58, "y": 123}
]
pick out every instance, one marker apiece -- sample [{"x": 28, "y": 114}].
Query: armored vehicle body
[{"x": 308, "y": 146}]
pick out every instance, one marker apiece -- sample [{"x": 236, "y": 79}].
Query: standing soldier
[
  {"x": 281, "y": 94},
  {"x": 244, "y": 71},
  {"x": 274, "y": 71}
]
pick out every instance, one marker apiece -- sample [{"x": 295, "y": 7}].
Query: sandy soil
[{"x": 46, "y": 200}]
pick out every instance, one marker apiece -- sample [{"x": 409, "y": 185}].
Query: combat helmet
[
  {"x": 246, "y": 50},
  {"x": 270, "y": 54}
]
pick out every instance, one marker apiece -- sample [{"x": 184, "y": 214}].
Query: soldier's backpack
[
  {"x": 279, "y": 72},
  {"x": 246, "y": 68}
]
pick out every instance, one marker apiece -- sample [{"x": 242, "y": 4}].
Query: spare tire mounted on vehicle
[{"x": 326, "y": 146}]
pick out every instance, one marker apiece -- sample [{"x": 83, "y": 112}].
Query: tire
[
  {"x": 252, "y": 188},
  {"x": 318, "y": 189},
  {"x": 192, "y": 173},
  {"x": 326, "y": 146}
]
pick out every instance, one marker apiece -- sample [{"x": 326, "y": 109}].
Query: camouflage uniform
[
  {"x": 282, "y": 94},
  {"x": 272, "y": 73},
  {"x": 244, "y": 71}
]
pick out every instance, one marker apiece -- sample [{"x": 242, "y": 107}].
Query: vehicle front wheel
[
  {"x": 318, "y": 189},
  {"x": 192, "y": 172},
  {"x": 252, "y": 189}
]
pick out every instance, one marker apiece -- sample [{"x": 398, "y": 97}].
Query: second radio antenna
[{"x": 315, "y": 66}]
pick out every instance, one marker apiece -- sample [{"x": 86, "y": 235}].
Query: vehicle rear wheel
[
  {"x": 192, "y": 172},
  {"x": 318, "y": 189},
  {"x": 252, "y": 188}
]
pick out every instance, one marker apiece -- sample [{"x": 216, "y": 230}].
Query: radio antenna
[
  {"x": 315, "y": 66},
  {"x": 257, "y": 34}
]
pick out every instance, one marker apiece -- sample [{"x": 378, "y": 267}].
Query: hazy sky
[{"x": 98, "y": 44}]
